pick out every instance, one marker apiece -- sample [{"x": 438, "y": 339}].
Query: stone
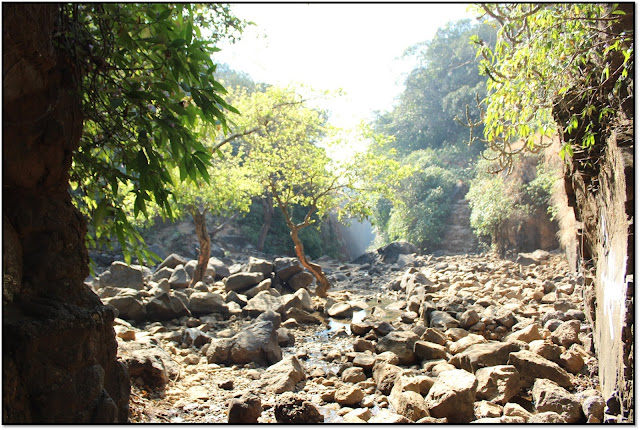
[
  {"x": 532, "y": 366},
  {"x": 190, "y": 267},
  {"x": 464, "y": 343},
  {"x": 360, "y": 328},
  {"x": 163, "y": 273},
  {"x": 262, "y": 286},
  {"x": 364, "y": 414},
  {"x": 442, "y": 320},
  {"x": 361, "y": 345},
  {"x": 282, "y": 376},
  {"x": 179, "y": 278},
  {"x": 353, "y": 374},
  {"x": 456, "y": 333},
  {"x": 195, "y": 337},
  {"x": 172, "y": 261},
  {"x": 485, "y": 409},
  {"x": 483, "y": 355},
  {"x": 498, "y": 384},
  {"x": 285, "y": 337},
  {"x": 429, "y": 351},
  {"x": 219, "y": 351},
  {"x": 262, "y": 302},
  {"x": 257, "y": 343},
  {"x": 383, "y": 328},
  {"x": 384, "y": 375},
  {"x": 125, "y": 333},
  {"x": 385, "y": 416},
  {"x": 302, "y": 317},
  {"x": 292, "y": 408},
  {"x": 128, "y": 307},
  {"x": 546, "y": 418},
  {"x": 242, "y": 281},
  {"x": 401, "y": 343},
  {"x": 203, "y": 303},
  {"x": 165, "y": 307},
  {"x": 452, "y": 396},
  {"x": 260, "y": 266},
  {"x": 240, "y": 299},
  {"x": 571, "y": 361},
  {"x": 120, "y": 275},
  {"x": 469, "y": 318},
  {"x": 348, "y": 395},
  {"x": 153, "y": 365},
  {"x": 387, "y": 357},
  {"x": 408, "y": 317},
  {"x": 528, "y": 334},
  {"x": 301, "y": 299},
  {"x": 391, "y": 252},
  {"x": 365, "y": 361},
  {"x": 341, "y": 310},
  {"x": 546, "y": 349},
  {"x": 219, "y": 268},
  {"x": 434, "y": 335},
  {"x": 550, "y": 397},
  {"x": 409, "y": 404},
  {"x": 515, "y": 410},
  {"x": 286, "y": 267},
  {"x": 244, "y": 410},
  {"x": 566, "y": 334},
  {"x": 593, "y": 406},
  {"x": 300, "y": 280}
]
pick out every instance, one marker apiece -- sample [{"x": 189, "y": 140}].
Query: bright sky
[{"x": 354, "y": 47}]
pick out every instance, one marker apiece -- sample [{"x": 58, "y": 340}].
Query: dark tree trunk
[
  {"x": 205, "y": 246},
  {"x": 315, "y": 269},
  {"x": 268, "y": 209},
  {"x": 59, "y": 350}
]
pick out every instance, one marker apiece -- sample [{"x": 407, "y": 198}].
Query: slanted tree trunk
[
  {"x": 204, "y": 239},
  {"x": 315, "y": 269},
  {"x": 268, "y": 209}
]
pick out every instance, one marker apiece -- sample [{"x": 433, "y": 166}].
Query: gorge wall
[{"x": 59, "y": 351}]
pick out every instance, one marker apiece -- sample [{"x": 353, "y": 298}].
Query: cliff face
[{"x": 59, "y": 346}]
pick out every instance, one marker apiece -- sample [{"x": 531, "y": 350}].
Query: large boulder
[
  {"x": 406, "y": 399},
  {"x": 452, "y": 396},
  {"x": 429, "y": 351},
  {"x": 498, "y": 384},
  {"x": 148, "y": 365},
  {"x": 300, "y": 280},
  {"x": 292, "y": 408},
  {"x": 166, "y": 307},
  {"x": 257, "y": 343},
  {"x": 219, "y": 268},
  {"x": 262, "y": 302},
  {"x": 242, "y": 281},
  {"x": 301, "y": 299},
  {"x": 484, "y": 355},
  {"x": 348, "y": 395},
  {"x": 390, "y": 253},
  {"x": 442, "y": 320},
  {"x": 282, "y": 376},
  {"x": 532, "y": 366},
  {"x": 163, "y": 273},
  {"x": 121, "y": 275},
  {"x": 401, "y": 343},
  {"x": 244, "y": 410},
  {"x": 201, "y": 303},
  {"x": 550, "y": 397},
  {"x": 179, "y": 277},
  {"x": 286, "y": 267},
  {"x": 172, "y": 261},
  {"x": 385, "y": 375},
  {"x": 258, "y": 265},
  {"x": 129, "y": 307}
]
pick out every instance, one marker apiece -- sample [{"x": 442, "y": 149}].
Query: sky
[{"x": 353, "y": 47}]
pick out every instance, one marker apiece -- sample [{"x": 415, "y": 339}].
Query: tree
[
  {"x": 557, "y": 68},
  {"x": 290, "y": 164},
  {"x": 148, "y": 78}
]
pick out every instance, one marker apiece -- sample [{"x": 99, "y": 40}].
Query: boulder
[
  {"x": 434, "y": 335},
  {"x": 341, "y": 310},
  {"x": 348, "y": 395},
  {"x": 498, "y": 384},
  {"x": 442, "y": 320},
  {"x": 469, "y": 318},
  {"x": 361, "y": 345},
  {"x": 219, "y": 351},
  {"x": 301, "y": 299},
  {"x": 515, "y": 410},
  {"x": 532, "y": 366},
  {"x": 385, "y": 375},
  {"x": 196, "y": 337},
  {"x": 486, "y": 409},
  {"x": 452, "y": 396},
  {"x": 593, "y": 406},
  {"x": 282, "y": 376},
  {"x": 121, "y": 275},
  {"x": 260, "y": 266},
  {"x": 262, "y": 286},
  {"x": 401, "y": 343},
  {"x": 257, "y": 343},
  {"x": 527, "y": 334},
  {"x": 429, "y": 351},
  {"x": 148, "y": 365},
  {"x": 270, "y": 315},
  {"x": 129, "y": 307},
  {"x": 242, "y": 281},
  {"x": 163, "y": 273},
  {"x": 390, "y": 253},
  {"x": 286, "y": 267},
  {"x": 410, "y": 405},
  {"x": 484, "y": 355},
  {"x": 172, "y": 261},
  {"x": 292, "y": 408},
  {"x": 285, "y": 337},
  {"x": 244, "y": 410},
  {"x": 300, "y": 280},
  {"x": 550, "y": 397},
  {"x": 353, "y": 375},
  {"x": 201, "y": 303},
  {"x": 165, "y": 307},
  {"x": 179, "y": 278},
  {"x": 219, "y": 268},
  {"x": 365, "y": 361},
  {"x": 190, "y": 267},
  {"x": 302, "y": 317},
  {"x": 262, "y": 302},
  {"x": 566, "y": 334},
  {"x": 462, "y": 344}
]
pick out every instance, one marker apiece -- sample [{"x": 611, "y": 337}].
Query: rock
[
  {"x": 363, "y": 414},
  {"x": 263, "y": 302},
  {"x": 429, "y": 351},
  {"x": 498, "y": 384},
  {"x": 361, "y": 345},
  {"x": 383, "y": 328},
  {"x": 401, "y": 343},
  {"x": 391, "y": 252},
  {"x": 483, "y": 355},
  {"x": 341, "y": 310},
  {"x": 201, "y": 303},
  {"x": 593, "y": 406},
  {"x": 485, "y": 409},
  {"x": 536, "y": 257},
  {"x": 384, "y": 375},
  {"x": 469, "y": 318},
  {"x": 125, "y": 333},
  {"x": 166, "y": 307},
  {"x": 408, "y": 317},
  {"x": 285, "y": 337},
  {"x": 464, "y": 343},
  {"x": 282, "y": 376},
  {"x": 262, "y": 286},
  {"x": 270, "y": 315},
  {"x": 292, "y": 408},
  {"x": 456, "y": 333},
  {"x": 153, "y": 365},
  {"x": 361, "y": 328},
  {"x": 434, "y": 335},
  {"x": 353, "y": 374},
  {"x": 302, "y": 317},
  {"x": 527, "y": 334},
  {"x": 365, "y": 361},
  {"x": 244, "y": 410},
  {"x": 300, "y": 280},
  {"x": 532, "y": 366},
  {"x": 409, "y": 404},
  {"x": 172, "y": 261},
  {"x": 219, "y": 351},
  {"x": 550, "y": 397},
  {"x": 301, "y": 299},
  {"x": 240, "y": 299},
  {"x": 546, "y": 418},
  {"x": 221, "y": 271},
  {"x": 452, "y": 396},
  {"x": 571, "y": 361},
  {"x": 385, "y": 416},
  {"x": 566, "y": 334},
  {"x": 190, "y": 267},
  {"x": 348, "y": 395},
  {"x": 546, "y": 349},
  {"x": 195, "y": 337},
  {"x": 515, "y": 410},
  {"x": 442, "y": 320},
  {"x": 129, "y": 307},
  {"x": 285, "y": 268},
  {"x": 179, "y": 278},
  {"x": 260, "y": 266},
  {"x": 120, "y": 275},
  {"x": 163, "y": 273},
  {"x": 242, "y": 281},
  {"x": 257, "y": 343}
]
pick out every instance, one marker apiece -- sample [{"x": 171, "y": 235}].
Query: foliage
[
  {"x": 426, "y": 201},
  {"x": 148, "y": 79},
  {"x": 564, "y": 59},
  {"x": 490, "y": 205}
]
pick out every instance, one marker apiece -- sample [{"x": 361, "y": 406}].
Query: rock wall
[
  {"x": 59, "y": 350},
  {"x": 458, "y": 237}
]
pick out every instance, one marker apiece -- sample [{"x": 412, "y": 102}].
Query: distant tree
[{"x": 291, "y": 165}]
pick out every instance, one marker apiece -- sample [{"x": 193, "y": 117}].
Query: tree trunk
[
  {"x": 59, "y": 355},
  {"x": 267, "y": 205},
  {"x": 205, "y": 246},
  {"x": 315, "y": 269}
]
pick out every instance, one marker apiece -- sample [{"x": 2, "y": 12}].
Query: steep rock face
[{"x": 59, "y": 354}]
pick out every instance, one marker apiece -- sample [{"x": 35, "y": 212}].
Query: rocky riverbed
[{"x": 401, "y": 337}]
